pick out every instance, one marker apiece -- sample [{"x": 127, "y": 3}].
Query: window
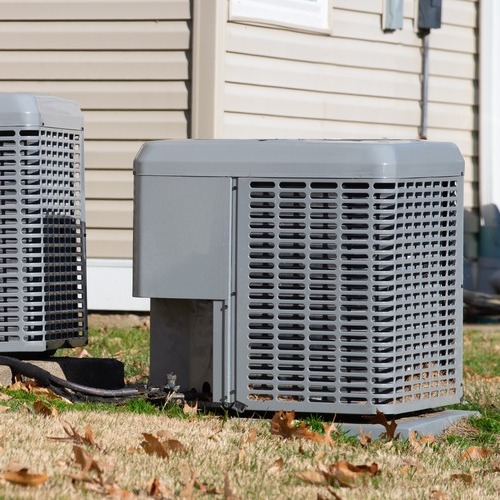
[{"x": 308, "y": 15}]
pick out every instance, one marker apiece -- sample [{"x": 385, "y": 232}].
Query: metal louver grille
[
  {"x": 347, "y": 294},
  {"x": 42, "y": 292}
]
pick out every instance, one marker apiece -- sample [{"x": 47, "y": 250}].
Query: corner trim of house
[
  {"x": 489, "y": 102},
  {"x": 109, "y": 286},
  {"x": 208, "y": 59}
]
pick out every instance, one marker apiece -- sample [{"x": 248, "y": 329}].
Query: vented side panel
[
  {"x": 42, "y": 247},
  {"x": 348, "y": 294}
]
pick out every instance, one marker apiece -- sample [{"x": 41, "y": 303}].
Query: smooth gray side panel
[{"x": 182, "y": 237}]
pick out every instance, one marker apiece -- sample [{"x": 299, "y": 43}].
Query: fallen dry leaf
[
  {"x": 73, "y": 435},
  {"x": 426, "y": 440},
  {"x": 365, "y": 438},
  {"x": 4, "y": 397},
  {"x": 41, "y": 408},
  {"x": 24, "y": 478},
  {"x": 313, "y": 477},
  {"x": 190, "y": 410},
  {"x": 466, "y": 478},
  {"x": 475, "y": 453},
  {"x": 282, "y": 424},
  {"x": 161, "y": 444},
  {"x": 152, "y": 446},
  {"x": 390, "y": 428},
  {"x": 348, "y": 474},
  {"x": 342, "y": 473},
  {"x": 85, "y": 461},
  {"x": 155, "y": 489}
]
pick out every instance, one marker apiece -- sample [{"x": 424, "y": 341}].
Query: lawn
[{"x": 136, "y": 450}]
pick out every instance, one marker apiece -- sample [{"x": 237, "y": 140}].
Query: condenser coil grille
[
  {"x": 42, "y": 248},
  {"x": 350, "y": 294},
  {"x": 334, "y": 268}
]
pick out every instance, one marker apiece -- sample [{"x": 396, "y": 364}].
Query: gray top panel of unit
[
  {"x": 299, "y": 158},
  {"x": 35, "y": 110}
]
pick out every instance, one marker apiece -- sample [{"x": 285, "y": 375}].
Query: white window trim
[
  {"x": 489, "y": 99},
  {"x": 303, "y": 15}
]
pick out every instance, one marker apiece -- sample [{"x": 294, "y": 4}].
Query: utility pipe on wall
[{"x": 424, "y": 103}]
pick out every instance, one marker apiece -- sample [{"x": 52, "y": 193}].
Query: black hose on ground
[
  {"x": 47, "y": 379},
  {"x": 78, "y": 392}
]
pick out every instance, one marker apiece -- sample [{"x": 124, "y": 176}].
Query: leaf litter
[
  {"x": 283, "y": 424},
  {"x": 341, "y": 473},
  {"x": 161, "y": 444},
  {"x": 73, "y": 435},
  {"x": 24, "y": 478}
]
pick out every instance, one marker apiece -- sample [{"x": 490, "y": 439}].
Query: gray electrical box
[
  {"x": 319, "y": 276},
  {"x": 42, "y": 228},
  {"x": 429, "y": 14}
]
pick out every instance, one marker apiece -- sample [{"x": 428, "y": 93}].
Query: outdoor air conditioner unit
[
  {"x": 318, "y": 276},
  {"x": 42, "y": 232}
]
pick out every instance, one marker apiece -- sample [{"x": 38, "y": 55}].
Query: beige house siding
[
  {"x": 126, "y": 63},
  {"x": 358, "y": 82}
]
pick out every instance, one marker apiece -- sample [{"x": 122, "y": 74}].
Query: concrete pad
[
  {"x": 5, "y": 376},
  {"x": 93, "y": 372},
  {"x": 427, "y": 424}
]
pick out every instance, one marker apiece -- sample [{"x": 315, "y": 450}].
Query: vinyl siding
[
  {"x": 358, "y": 82},
  {"x": 126, "y": 63}
]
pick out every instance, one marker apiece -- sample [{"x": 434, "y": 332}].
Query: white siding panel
[
  {"x": 452, "y": 64},
  {"x": 367, "y": 26},
  {"x": 110, "y": 154},
  {"x": 147, "y": 35},
  {"x": 466, "y": 140},
  {"x": 71, "y": 10},
  {"x": 454, "y": 38},
  {"x": 452, "y": 116},
  {"x": 373, "y": 6},
  {"x": 107, "y": 95},
  {"x": 471, "y": 199},
  {"x": 460, "y": 13},
  {"x": 93, "y": 65},
  {"x": 320, "y": 106},
  {"x": 240, "y": 126},
  {"x": 453, "y": 90},
  {"x": 109, "y": 243},
  {"x": 282, "y": 44},
  {"x": 135, "y": 125},
  {"x": 109, "y": 214},
  {"x": 320, "y": 77},
  {"x": 109, "y": 184}
]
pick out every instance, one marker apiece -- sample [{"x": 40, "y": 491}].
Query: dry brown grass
[
  {"x": 239, "y": 458},
  {"x": 252, "y": 464}
]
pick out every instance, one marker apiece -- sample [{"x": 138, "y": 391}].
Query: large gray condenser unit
[
  {"x": 318, "y": 276},
  {"x": 42, "y": 234}
]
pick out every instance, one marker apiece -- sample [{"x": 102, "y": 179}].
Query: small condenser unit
[
  {"x": 318, "y": 276},
  {"x": 42, "y": 234}
]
